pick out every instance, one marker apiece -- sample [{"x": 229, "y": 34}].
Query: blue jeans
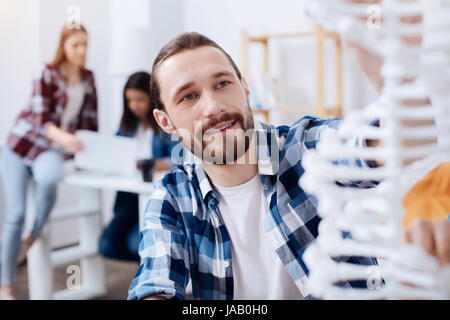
[
  {"x": 47, "y": 171},
  {"x": 120, "y": 239}
]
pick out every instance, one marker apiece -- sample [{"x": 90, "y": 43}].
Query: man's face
[{"x": 206, "y": 103}]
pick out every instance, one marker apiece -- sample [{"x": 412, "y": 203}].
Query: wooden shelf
[
  {"x": 319, "y": 34},
  {"x": 329, "y": 112},
  {"x": 263, "y": 112},
  {"x": 265, "y": 37}
]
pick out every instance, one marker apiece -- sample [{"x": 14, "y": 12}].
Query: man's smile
[{"x": 220, "y": 128}]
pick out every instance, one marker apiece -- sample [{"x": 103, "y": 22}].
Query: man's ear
[{"x": 163, "y": 121}]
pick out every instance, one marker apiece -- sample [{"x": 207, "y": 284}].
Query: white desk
[
  {"x": 42, "y": 259},
  {"x": 103, "y": 181},
  {"x": 134, "y": 184}
]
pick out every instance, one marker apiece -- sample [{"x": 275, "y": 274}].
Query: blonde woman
[{"x": 63, "y": 100}]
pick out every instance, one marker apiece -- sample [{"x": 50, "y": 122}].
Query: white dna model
[{"x": 373, "y": 216}]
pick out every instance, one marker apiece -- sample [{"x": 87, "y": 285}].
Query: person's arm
[
  {"x": 309, "y": 131},
  {"x": 42, "y": 112},
  {"x": 371, "y": 65},
  {"x": 163, "y": 248},
  {"x": 68, "y": 141},
  {"x": 368, "y": 62},
  {"x": 41, "y": 102}
]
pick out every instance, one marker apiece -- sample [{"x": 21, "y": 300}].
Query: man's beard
[{"x": 222, "y": 148}]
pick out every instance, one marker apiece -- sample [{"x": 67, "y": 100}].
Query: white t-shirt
[
  {"x": 75, "y": 97},
  {"x": 258, "y": 272},
  {"x": 144, "y": 140}
]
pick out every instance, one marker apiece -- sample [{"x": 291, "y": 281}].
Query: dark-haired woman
[
  {"x": 120, "y": 240},
  {"x": 64, "y": 99}
]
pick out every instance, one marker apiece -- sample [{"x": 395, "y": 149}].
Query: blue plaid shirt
[{"x": 183, "y": 234}]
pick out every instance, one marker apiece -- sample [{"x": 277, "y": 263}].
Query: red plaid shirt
[{"x": 48, "y": 101}]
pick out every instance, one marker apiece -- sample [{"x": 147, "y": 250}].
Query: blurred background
[{"x": 125, "y": 36}]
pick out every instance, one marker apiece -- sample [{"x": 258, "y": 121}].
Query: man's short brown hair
[{"x": 185, "y": 41}]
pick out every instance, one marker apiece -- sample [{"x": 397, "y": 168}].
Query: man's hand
[
  {"x": 433, "y": 236},
  {"x": 370, "y": 63}
]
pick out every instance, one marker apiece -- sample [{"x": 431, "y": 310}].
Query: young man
[{"x": 232, "y": 217}]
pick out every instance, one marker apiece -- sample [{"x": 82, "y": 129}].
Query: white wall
[
  {"x": 167, "y": 19},
  {"x": 19, "y": 56}
]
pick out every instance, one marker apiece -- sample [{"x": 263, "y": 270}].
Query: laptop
[{"x": 106, "y": 153}]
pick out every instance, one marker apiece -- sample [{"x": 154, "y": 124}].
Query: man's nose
[{"x": 211, "y": 105}]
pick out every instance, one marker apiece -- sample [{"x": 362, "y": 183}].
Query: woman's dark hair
[{"x": 139, "y": 81}]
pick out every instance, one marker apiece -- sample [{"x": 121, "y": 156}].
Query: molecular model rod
[{"x": 408, "y": 110}]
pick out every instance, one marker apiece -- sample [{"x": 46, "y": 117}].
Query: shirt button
[{"x": 226, "y": 264}]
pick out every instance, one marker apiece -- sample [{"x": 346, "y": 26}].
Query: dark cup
[{"x": 146, "y": 166}]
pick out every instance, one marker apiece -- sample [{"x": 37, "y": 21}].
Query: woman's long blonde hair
[{"x": 66, "y": 32}]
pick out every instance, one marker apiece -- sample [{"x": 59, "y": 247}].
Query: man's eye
[
  {"x": 189, "y": 97},
  {"x": 223, "y": 84}
]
